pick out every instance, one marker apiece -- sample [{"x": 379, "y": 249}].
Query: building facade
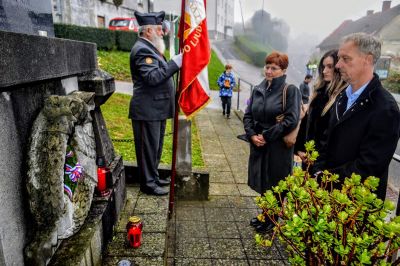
[
  {"x": 220, "y": 15},
  {"x": 96, "y": 13},
  {"x": 384, "y": 24}
]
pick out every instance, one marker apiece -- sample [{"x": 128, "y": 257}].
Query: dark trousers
[
  {"x": 149, "y": 140},
  {"x": 226, "y": 104}
]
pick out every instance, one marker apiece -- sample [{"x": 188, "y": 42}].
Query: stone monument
[{"x": 35, "y": 69}]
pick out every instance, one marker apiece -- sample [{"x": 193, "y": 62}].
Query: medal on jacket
[{"x": 148, "y": 60}]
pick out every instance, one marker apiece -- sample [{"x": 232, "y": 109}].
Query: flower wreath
[{"x": 72, "y": 172}]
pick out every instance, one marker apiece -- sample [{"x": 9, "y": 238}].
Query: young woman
[
  {"x": 328, "y": 86},
  {"x": 270, "y": 159}
]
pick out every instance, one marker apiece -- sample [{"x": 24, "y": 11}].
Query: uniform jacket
[
  {"x": 364, "y": 138},
  {"x": 153, "y": 87},
  {"x": 224, "y": 80}
]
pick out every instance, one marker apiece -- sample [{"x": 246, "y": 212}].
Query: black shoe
[
  {"x": 265, "y": 227},
  {"x": 158, "y": 191},
  {"x": 223, "y": 113},
  {"x": 163, "y": 182},
  {"x": 228, "y": 116},
  {"x": 255, "y": 222}
]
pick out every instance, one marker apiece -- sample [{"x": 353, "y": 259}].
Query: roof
[{"x": 371, "y": 24}]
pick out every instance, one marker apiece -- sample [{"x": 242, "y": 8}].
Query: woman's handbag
[{"x": 290, "y": 139}]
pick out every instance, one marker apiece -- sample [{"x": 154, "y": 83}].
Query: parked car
[{"x": 126, "y": 24}]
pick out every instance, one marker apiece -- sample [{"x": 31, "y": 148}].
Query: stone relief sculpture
[{"x": 62, "y": 172}]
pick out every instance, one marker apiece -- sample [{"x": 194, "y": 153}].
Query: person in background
[
  {"x": 365, "y": 121},
  {"x": 153, "y": 98},
  {"x": 270, "y": 159},
  {"x": 305, "y": 89},
  {"x": 226, "y": 83},
  {"x": 327, "y": 87}
]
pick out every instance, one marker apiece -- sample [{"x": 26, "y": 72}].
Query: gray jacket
[{"x": 153, "y": 86}]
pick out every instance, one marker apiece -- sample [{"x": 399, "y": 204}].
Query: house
[
  {"x": 96, "y": 13},
  {"x": 384, "y": 25}
]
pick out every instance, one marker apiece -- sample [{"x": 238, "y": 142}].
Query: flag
[{"x": 194, "y": 88}]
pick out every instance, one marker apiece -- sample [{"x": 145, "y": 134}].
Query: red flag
[{"x": 194, "y": 88}]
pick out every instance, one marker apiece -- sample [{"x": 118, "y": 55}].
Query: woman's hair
[
  {"x": 335, "y": 86},
  {"x": 278, "y": 58}
]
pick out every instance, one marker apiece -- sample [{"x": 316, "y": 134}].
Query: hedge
[
  {"x": 104, "y": 38},
  {"x": 125, "y": 40},
  {"x": 255, "y": 51}
]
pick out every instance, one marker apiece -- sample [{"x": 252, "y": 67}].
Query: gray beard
[{"x": 159, "y": 44}]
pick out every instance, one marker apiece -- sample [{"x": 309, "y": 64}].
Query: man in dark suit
[
  {"x": 153, "y": 98},
  {"x": 365, "y": 124}
]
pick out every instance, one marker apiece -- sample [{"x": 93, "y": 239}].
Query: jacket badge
[{"x": 148, "y": 60}]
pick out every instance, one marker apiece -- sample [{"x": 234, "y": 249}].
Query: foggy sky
[{"x": 314, "y": 17}]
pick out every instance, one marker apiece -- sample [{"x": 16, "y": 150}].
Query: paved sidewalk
[
  {"x": 213, "y": 232},
  {"x": 217, "y": 231}
]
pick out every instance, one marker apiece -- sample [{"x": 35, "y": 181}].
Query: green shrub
[
  {"x": 104, "y": 38},
  {"x": 125, "y": 40},
  {"x": 392, "y": 83},
  {"x": 255, "y": 51},
  {"x": 326, "y": 226}
]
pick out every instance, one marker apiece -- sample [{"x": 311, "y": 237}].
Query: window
[{"x": 101, "y": 22}]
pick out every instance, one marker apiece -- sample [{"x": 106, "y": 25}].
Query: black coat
[
  {"x": 272, "y": 162},
  {"x": 314, "y": 126},
  {"x": 153, "y": 87},
  {"x": 363, "y": 140}
]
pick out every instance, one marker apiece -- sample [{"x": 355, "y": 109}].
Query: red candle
[
  {"x": 134, "y": 231},
  {"x": 101, "y": 179}
]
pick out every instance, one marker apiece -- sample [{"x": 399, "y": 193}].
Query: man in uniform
[{"x": 153, "y": 98}]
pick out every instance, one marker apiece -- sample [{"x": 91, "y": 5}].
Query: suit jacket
[
  {"x": 153, "y": 87},
  {"x": 364, "y": 138}
]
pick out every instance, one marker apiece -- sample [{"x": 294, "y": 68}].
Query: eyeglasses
[{"x": 272, "y": 68}]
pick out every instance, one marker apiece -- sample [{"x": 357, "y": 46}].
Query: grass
[
  {"x": 215, "y": 69},
  {"x": 116, "y": 63},
  {"x": 115, "y": 112}
]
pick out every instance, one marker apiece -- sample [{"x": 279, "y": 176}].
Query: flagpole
[{"x": 176, "y": 126}]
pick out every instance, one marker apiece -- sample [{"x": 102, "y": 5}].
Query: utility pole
[
  {"x": 262, "y": 21},
  {"x": 241, "y": 12}
]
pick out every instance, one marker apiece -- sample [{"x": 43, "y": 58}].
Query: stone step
[{"x": 153, "y": 210}]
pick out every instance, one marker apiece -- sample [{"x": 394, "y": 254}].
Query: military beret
[{"x": 152, "y": 18}]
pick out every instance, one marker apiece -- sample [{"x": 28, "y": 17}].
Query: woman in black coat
[
  {"x": 270, "y": 159},
  {"x": 328, "y": 86}
]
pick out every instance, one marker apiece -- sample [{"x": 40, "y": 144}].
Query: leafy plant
[
  {"x": 392, "y": 83},
  {"x": 117, "y": 3},
  {"x": 322, "y": 225}
]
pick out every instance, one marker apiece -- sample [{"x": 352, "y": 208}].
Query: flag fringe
[{"x": 189, "y": 117}]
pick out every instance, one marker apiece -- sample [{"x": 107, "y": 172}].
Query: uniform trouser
[
  {"x": 149, "y": 140},
  {"x": 226, "y": 104}
]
